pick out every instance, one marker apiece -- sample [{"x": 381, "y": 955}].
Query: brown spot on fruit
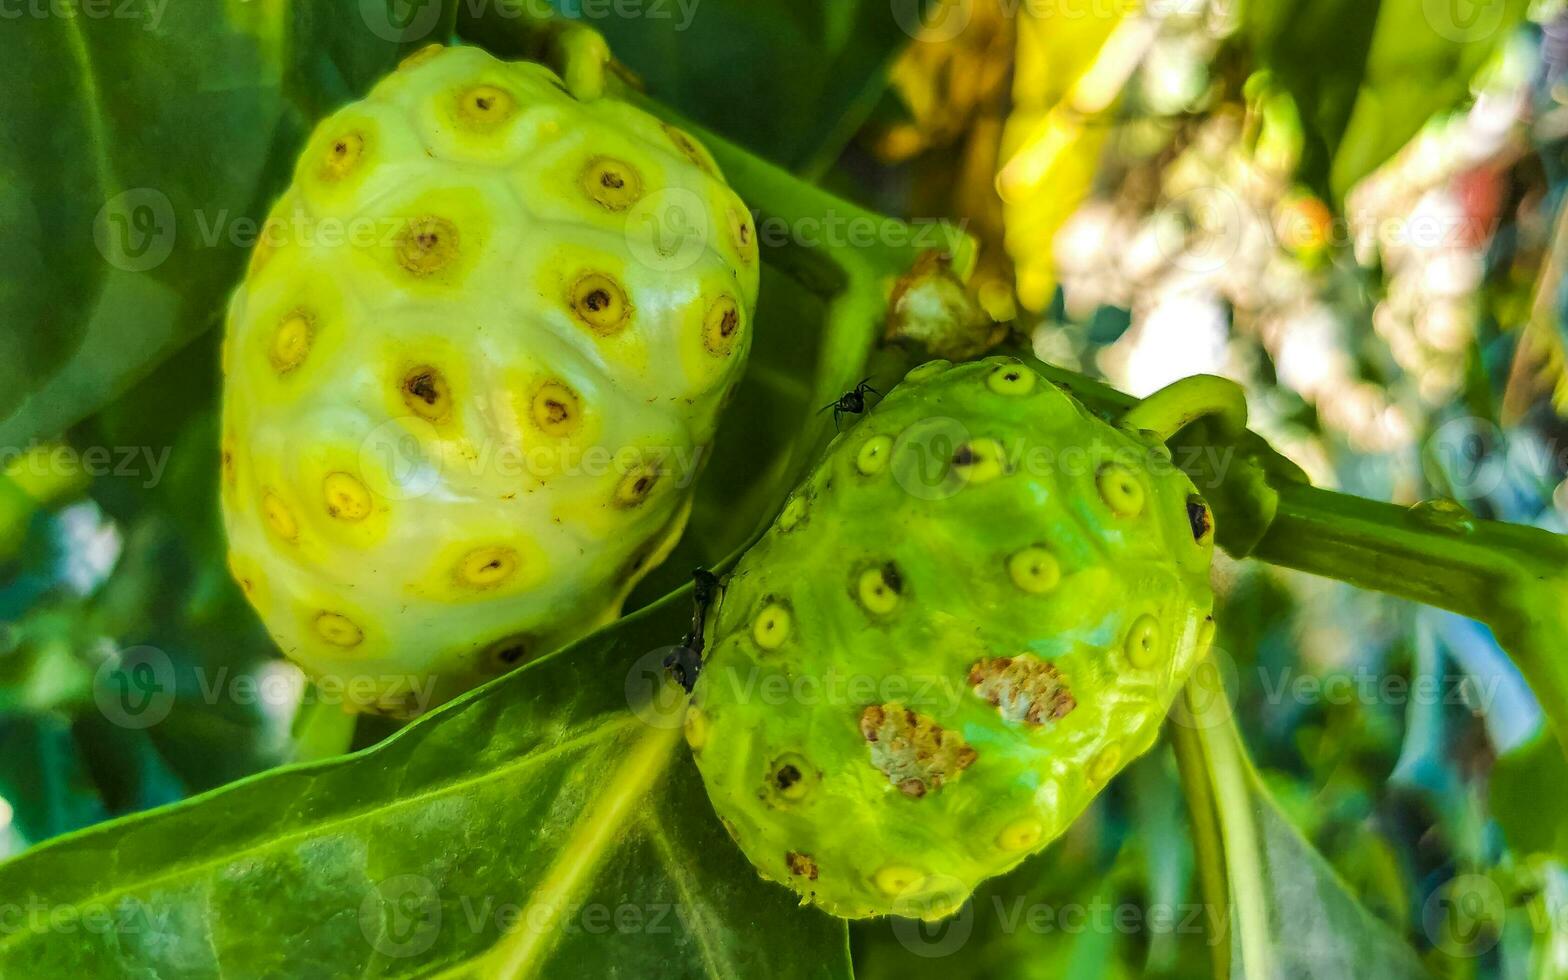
[
  {"x": 721, "y": 326},
  {"x": 791, "y": 778},
  {"x": 342, "y": 157},
  {"x": 485, "y": 107},
  {"x": 915, "y": 753},
  {"x": 1023, "y": 688},
  {"x": 638, "y": 484},
  {"x": 427, "y": 394},
  {"x": 801, "y": 865},
  {"x": 556, "y": 409}
]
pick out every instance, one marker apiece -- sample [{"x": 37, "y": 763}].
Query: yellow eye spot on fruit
[
  {"x": 880, "y": 589},
  {"x": 421, "y": 56},
  {"x": 291, "y": 341},
  {"x": 721, "y": 327},
  {"x": 278, "y": 517},
  {"x": 600, "y": 302},
  {"x": 927, "y": 371},
  {"x": 347, "y": 498},
  {"x": 873, "y": 456},
  {"x": 1034, "y": 569},
  {"x": 1011, "y": 379},
  {"x": 427, "y": 394},
  {"x": 1143, "y": 646},
  {"x": 341, "y": 157},
  {"x": 979, "y": 461},
  {"x": 1105, "y": 763},
  {"x": 506, "y": 653},
  {"x": 791, "y": 777},
  {"x": 686, "y": 146},
  {"x": 1120, "y": 489},
  {"x": 556, "y": 409},
  {"x": 771, "y": 627},
  {"x": 338, "y": 630},
  {"x": 742, "y": 234},
  {"x": 1021, "y": 835},
  {"x": 614, "y": 185},
  {"x": 485, "y": 107},
  {"x": 794, "y": 512},
  {"x": 637, "y": 484},
  {"x": 485, "y": 568},
  {"x": 896, "y": 879},
  {"x": 696, "y": 729},
  {"x": 426, "y": 245}
]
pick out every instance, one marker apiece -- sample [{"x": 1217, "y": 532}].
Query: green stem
[
  {"x": 1513, "y": 578},
  {"x": 1176, "y": 406},
  {"x": 1248, "y": 904},
  {"x": 1208, "y": 847}
]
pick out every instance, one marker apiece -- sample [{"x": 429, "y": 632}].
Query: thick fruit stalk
[
  {"x": 973, "y": 614},
  {"x": 472, "y": 373}
]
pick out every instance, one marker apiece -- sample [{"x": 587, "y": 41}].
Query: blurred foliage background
[{"x": 1352, "y": 207}]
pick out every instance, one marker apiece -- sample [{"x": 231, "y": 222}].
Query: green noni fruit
[
  {"x": 479, "y": 354},
  {"x": 970, "y": 617}
]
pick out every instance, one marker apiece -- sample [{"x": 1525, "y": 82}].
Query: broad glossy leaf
[
  {"x": 149, "y": 139},
  {"x": 540, "y": 822}
]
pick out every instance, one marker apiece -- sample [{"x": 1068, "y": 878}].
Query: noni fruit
[
  {"x": 476, "y": 361},
  {"x": 971, "y": 616}
]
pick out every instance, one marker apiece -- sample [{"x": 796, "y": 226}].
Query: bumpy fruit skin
[
  {"x": 477, "y": 359},
  {"x": 974, "y": 613}
]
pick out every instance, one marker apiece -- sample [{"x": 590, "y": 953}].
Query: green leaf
[
  {"x": 540, "y": 802},
  {"x": 131, "y": 181},
  {"x": 790, "y": 81},
  {"x": 1423, "y": 58},
  {"x": 1289, "y": 914},
  {"x": 1367, "y": 75},
  {"x": 1529, "y": 795}
]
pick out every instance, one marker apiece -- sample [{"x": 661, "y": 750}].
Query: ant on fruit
[
  {"x": 851, "y": 402},
  {"x": 685, "y": 661}
]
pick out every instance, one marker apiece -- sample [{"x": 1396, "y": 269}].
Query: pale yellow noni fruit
[{"x": 471, "y": 375}]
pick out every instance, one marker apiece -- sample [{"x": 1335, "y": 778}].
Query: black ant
[
  {"x": 685, "y": 661},
  {"x": 851, "y": 402}
]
